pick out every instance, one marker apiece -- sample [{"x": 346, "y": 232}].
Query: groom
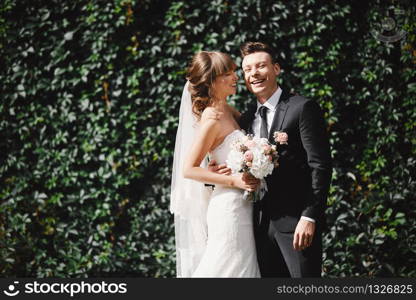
[{"x": 289, "y": 220}]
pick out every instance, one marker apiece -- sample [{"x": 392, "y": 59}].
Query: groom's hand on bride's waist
[{"x": 219, "y": 169}]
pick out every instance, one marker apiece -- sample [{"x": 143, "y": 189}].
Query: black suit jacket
[{"x": 300, "y": 185}]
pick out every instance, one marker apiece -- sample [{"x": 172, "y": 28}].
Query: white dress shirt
[{"x": 271, "y": 104}]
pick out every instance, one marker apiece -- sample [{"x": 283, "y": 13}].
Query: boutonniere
[{"x": 281, "y": 137}]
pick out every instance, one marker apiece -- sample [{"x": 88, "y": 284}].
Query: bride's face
[{"x": 225, "y": 85}]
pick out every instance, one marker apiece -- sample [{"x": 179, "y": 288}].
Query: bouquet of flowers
[{"x": 255, "y": 156}]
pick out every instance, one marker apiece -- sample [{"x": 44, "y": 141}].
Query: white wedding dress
[{"x": 230, "y": 250}]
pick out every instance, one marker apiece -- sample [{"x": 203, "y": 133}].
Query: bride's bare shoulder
[
  {"x": 211, "y": 114},
  {"x": 236, "y": 114}
]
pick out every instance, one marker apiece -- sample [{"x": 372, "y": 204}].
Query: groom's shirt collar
[{"x": 272, "y": 102}]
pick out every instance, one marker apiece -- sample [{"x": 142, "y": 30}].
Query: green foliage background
[{"x": 90, "y": 95}]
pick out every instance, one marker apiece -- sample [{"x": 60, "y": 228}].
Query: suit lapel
[
  {"x": 250, "y": 117},
  {"x": 280, "y": 113}
]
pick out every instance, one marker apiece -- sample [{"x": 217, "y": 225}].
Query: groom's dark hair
[{"x": 253, "y": 47}]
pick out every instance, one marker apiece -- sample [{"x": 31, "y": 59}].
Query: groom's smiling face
[{"x": 260, "y": 74}]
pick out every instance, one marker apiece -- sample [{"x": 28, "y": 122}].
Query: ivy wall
[{"x": 89, "y": 100}]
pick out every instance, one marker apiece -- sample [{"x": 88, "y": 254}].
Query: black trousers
[{"x": 275, "y": 252}]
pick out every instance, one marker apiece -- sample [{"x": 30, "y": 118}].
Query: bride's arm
[{"x": 208, "y": 132}]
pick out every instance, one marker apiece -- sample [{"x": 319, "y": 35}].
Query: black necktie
[{"x": 263, "y": 129}]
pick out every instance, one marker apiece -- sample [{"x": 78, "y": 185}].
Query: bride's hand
[{"x": 244, "y": 182}]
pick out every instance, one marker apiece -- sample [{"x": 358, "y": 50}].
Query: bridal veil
[{"x": 189, "y": 198}]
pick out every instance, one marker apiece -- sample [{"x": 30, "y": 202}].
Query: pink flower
[
  {"x": 250, "y": 143},
  {"x": 248, "y": 156},
  {"x": 281, "y": 137}
]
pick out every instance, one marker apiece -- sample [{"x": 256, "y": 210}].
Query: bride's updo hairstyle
[{"x": 205, "y": 67}]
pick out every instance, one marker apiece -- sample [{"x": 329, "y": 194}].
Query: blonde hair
[{"x": 205, "y": 67}]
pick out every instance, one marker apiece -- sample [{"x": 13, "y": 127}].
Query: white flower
[
  {"x": 261, "y": 165},
  {"x": 235, "y": 160}
]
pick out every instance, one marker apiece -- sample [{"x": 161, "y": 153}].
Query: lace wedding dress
[{"x": 230, "y": 250}]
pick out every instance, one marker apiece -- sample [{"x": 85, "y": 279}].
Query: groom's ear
[{"x": 276, "y": 68}]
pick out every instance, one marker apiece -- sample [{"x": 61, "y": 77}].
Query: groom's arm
[{"x": 316, "y": 144}]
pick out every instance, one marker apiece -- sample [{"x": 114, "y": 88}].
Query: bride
[{"x": 213, "y": 228}]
